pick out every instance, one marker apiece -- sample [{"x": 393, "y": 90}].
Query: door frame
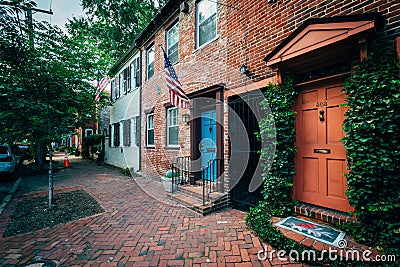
[{"x": 198, "y": 106}]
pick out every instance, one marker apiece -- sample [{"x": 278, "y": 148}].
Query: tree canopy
[
  {"x": 112, "y": 24},
  {"x": 45, "y": 90}
]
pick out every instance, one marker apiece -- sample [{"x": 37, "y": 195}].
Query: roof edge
[
  {"x": 376, "y": 17},
  {"x": 128, "y": 55},
  {"x": 170, "y": 7}
]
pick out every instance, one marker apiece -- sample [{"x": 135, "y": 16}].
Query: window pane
[
  {"x": 150, "y": 62},
  {"x": 150, "y": 137},
  {"x": 151, "y": 121},
  {"x": 205, "y": 10},
  {"x": 150, "y": 70},
  {"x": 173, "y": 135},
  {"x": 173, "y": 34},
  {"x": 173, "y": 53},
  {"x": 207, "y": 30}
]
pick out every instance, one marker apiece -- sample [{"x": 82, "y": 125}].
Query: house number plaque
[{"x": 322, "y": 104}]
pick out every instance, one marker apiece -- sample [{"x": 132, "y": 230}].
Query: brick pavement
[{"x": 135, "y": 230}]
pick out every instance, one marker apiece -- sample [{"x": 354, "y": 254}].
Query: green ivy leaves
[
  {"x": 372, "y": 145},
  {"x": 278, "y": 181}
]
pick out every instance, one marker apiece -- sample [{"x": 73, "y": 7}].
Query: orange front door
[{"x": 321, "y": 157}]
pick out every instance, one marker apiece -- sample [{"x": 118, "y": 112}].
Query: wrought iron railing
[
  {"x": 180, "y": 171},
  {"x": 212, "y": 178}
]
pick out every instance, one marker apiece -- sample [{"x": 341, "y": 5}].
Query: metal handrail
[
  {"x": 212, "y": 184},
  {"x": 182, "y": 167}
]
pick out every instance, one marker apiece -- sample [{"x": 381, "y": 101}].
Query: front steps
[{"x": 192, "y": 197}]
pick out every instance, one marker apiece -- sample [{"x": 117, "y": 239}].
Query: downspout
[{"x": 140, "y": 110}]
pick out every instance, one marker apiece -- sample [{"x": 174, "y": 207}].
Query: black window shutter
[
  {"x": 116, "y": 134},
  {"x": 137, "y": 131}
]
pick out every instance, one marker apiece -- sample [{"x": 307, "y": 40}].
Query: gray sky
[{"x": 62, "y": 9}]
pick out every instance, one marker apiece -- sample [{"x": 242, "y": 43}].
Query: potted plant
[{"x": 167, "y": 180}]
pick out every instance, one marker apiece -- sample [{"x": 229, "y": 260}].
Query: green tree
[
  {"x": 45, "y": 91},
  {"x": 112, "y": 24}
]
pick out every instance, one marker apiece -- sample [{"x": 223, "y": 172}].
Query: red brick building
[{"x": 225, "y": 53}]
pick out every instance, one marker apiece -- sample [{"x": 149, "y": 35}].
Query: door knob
[{"x": 321, "y": 115}]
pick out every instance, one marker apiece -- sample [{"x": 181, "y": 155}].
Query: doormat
[{"x": 312, "y": 230}]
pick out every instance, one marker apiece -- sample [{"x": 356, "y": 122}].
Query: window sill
[
  {"x": 172, "y": 147},
  {"x": 150, "y": 147},
  {"x": 209, "y": 42}
]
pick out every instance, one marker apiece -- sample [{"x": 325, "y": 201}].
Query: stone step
[
  {"x": 196, "y": 204},
  {"x": 197, "y": 192}
]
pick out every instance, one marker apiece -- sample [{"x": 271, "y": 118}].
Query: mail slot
[
  {"x": 210, "y": 149},
  {"x": 322, "y": 151}
]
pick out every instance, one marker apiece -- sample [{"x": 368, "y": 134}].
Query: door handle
[{"x": 321, "y": 115}]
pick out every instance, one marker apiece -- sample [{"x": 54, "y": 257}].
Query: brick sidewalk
[{"x": 135, "y": 230}]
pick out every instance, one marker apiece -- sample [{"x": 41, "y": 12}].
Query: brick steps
[
  {"x": 192, "y": 198},
  {"x": 326, "y": 215}
]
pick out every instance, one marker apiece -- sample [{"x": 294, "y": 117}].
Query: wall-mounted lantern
[{"x": 186, "y": 118}]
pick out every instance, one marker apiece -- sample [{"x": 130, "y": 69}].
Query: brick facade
[{"x": 247, "y": 32}]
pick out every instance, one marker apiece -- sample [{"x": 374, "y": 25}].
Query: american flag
[
  {"x": 177, "y": 96},
  {"x": 101, "y": 85}
]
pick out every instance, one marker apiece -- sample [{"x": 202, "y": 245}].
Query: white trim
[
  {"x": 209, "y": 42},
  {"x": 169, "y": 126},
  {"x": 147, "y": 130}
]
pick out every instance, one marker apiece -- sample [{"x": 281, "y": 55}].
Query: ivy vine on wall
[
  {"x": 372, "y": 143},
  {"x": 278, "y": 179}
]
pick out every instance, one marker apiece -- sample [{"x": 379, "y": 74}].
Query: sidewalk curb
[{"x": 10, "y": 194}]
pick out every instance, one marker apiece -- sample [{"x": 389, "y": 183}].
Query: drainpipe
[{"x": 140, "y": 110}]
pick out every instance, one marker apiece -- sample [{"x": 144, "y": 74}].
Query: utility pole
[
  {"x": 28, "y": 15},
  {"x": 29, "y": 21}
]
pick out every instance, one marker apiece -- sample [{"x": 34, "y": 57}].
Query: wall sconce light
[
  {"x": 186, "y": 118},
  {"x": 244, "y": 70}
]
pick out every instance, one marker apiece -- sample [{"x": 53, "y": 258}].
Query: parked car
[{"x": 9, "y": 161}]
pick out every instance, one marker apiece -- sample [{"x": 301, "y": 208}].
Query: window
[
  {"x": 135, "y": 73},
  {"x": 116, "y": 133},
  {"x": 172, "y": 43},
  {"x": 150, "y": 62},
  {"x": 136, "y": 131},
  {"x": 150, "y": 129},
  {"x": 206, "y": 28},
  {"x": 172, "y": 127},
  {"x": 88, "y": 132},
  {"x": 127, "y": 79},
  {"x": 127, "y": 133}
]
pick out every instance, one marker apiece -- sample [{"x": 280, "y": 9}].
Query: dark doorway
[{"x": 244, "y": 106}]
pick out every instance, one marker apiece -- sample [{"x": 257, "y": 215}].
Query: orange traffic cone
[{"x": 66, "y": 161}]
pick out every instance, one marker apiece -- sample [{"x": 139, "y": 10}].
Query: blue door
[{"x": 208, "y": 144}]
